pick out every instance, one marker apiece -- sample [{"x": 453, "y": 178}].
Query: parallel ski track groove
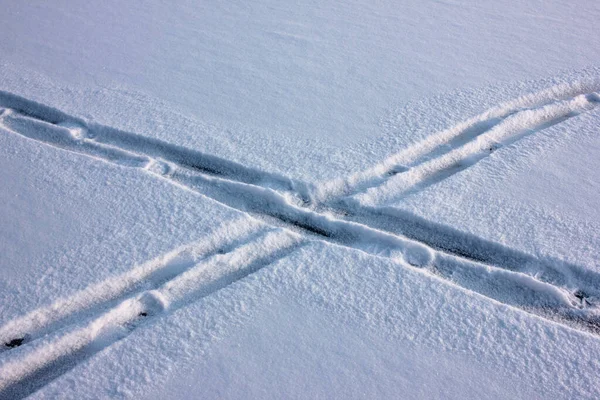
[
  {"x": 469, "y": 148},
  {"x": 540, "y": 287},
  {"x": 32, "y": 366}
]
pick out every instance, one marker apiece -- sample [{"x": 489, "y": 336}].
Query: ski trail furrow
[
  {"x": 443, "y": 239},
  {"x": 521, "y": 291},
  {"x": 441, "y": 143},
  {"x": 510, "y": 130},
  {"x": 276, "y": 209},
  {"x": 262, "y": 202},
  {"x": 97, "y": 297},
  {"x": 81, "y": 132},
  {"x": 51, "y": 340},
  {"x": 69, "y": 138},
  {"x": 31, "y": 367}
]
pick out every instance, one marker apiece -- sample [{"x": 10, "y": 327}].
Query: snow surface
[
  {"x": 322, "y": 82},
  {"x": 326, "y": 322},
  {"x": 308, "y": 200},
  {"x": 539, "y": 195}
]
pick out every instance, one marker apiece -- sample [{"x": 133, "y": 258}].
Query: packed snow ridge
[{"x": 352, "y": 212}]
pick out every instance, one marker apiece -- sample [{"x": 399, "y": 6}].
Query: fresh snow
[
  {"x": 308, "y": 200},
  {"x": 324, "y": 83}
]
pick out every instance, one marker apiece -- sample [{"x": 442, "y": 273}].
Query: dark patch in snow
[
  {"x": 395, "y": 170},
  {"x": 310, "y": 228},
  {"x": 580, "y": 294},
  {"x": 15, "y": 342}
]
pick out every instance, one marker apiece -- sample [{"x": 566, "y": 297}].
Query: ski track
[
  {"x": 49, "y": 341},
  {"x": 233, "y": 188},
  {"x": 428, "y": 171},
  {"x": 30, "y": 367},
  {"x": 478, "y": 137},
  {"x": 101, "y": 296}
]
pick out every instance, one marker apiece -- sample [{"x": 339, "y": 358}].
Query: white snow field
[{"x": 315, "y": 199}]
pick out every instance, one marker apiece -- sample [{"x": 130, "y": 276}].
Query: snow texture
[{"x": 308, "y": 200}]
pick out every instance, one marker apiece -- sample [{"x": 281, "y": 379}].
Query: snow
[
  {"x": 322, "y": 77},
  {"x": 307, "y": 200},
  {"x": 290, "y": 350},
  {"x": 69, "y": 221},
  {"x": 539, "y": 195},
  {"x": 326, "y": 322}
]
